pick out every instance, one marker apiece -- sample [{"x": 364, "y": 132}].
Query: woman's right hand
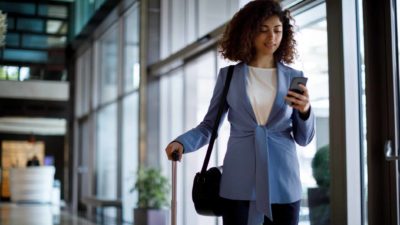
[{"x": 172, "y": 147}]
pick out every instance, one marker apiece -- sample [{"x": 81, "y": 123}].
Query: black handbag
[{"x": 205, "y": 192}]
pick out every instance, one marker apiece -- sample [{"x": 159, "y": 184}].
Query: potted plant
[
  {"x": 318, "y": 197},
  {"x": 152, "y": 187}
]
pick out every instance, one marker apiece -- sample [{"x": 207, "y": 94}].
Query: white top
[{"x": 261, "y": 89}]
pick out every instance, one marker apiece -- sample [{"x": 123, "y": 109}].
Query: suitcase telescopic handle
[{"x": 175, "y": 158}]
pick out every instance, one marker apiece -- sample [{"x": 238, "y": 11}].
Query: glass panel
[
  {"x": 10, "y": 23},
  {"x": 56, "y": 41},
  {"x": 130, "y": 147},
  {"x": 30, "y": 24},
  {"x": 12, "y": 39},
  {"x": 25, "y": 55},
  {"x": 34, "y": 41},
  {"x": 83, "y": 85},
  {"x": 84, "y": 158},
  {"x": 9, "y": 72},
  {"x": 79, "y": 86},
  {"x": 23, "y": 8},
  {"x": 131, "y": 50},
  {"x": 109, "y": 65},
  {"x": 177, "y": 25},
  {"x": 200, "y": 77},
  {"x": 171, "y": 125},
  {"x": 184, "y": 101},
  {"x": 164, "y": 29},
  {"x": 24, "y": 73},
  {"x": 95, "y": 82},
  {"x": 86, "y": 78},
  {"x": 42, "y": 41},
  {"x": 244, "y": 2},
  {"x": 314, "y": 168},
  {"x": 57, "y": 11},
  {"x": 56, "y": 27},
  {"x": 106, "y": 164},
  {"x": 212, "y": 14},
  {"x": 191, "y": 32}
]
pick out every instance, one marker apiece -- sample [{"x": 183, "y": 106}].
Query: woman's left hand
[{"x": 299, "y": 101}]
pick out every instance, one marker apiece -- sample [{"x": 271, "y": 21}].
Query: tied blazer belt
[{"x": 262, "y": 187}]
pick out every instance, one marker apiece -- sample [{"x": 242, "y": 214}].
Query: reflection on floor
[{"x": 41, "y": 214}]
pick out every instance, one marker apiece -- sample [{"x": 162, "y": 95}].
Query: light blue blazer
[{"x": 261, "y": 163}]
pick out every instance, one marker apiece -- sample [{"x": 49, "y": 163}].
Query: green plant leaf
[
  {"x": 153, "y": 188},
  {"x": 320, "y": 167}
]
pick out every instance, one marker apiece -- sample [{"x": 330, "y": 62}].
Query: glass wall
[
  {"x": 185, "y": 21},
  {"x": 130, "y": 148},
  {"x": 85, "y": 159},
  {"x": 108, "y": 64},
  {"x": 107, "y": 93},
  {"x": 106, "y": 152},
  {"x": 131, "y": 51},
  {"x": 185, "y": 95},
  {"x": 83, "y": 84},
  {"x": 171, "y": 125},
  {"x": 315, "y": 207},
  {"x": 212, "y": 14}
]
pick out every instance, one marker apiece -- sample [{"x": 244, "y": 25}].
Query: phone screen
[{"x": 294, "y": 85}]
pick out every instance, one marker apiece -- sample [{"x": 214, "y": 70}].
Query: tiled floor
[{"x": 40, "y": 214}]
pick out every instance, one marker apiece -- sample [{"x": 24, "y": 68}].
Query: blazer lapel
[
  {"x": 281, "y": 91},
  {"x": 243, "y": 72}
]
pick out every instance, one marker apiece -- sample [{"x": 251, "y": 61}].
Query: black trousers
[{"x": 236, "y": 213}]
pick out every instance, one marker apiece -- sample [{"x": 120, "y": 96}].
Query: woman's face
[{"x": 269, "y": 37}]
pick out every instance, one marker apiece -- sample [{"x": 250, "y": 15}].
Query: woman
[{"x": 261, "y": 180}]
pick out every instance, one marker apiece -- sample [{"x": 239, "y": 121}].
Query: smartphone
[{"x": 294, "y": 85}]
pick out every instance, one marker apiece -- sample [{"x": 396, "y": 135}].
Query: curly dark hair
[{"x": 237, "y": 42}]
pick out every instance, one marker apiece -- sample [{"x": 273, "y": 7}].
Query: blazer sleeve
[
  {"x": 303, "y": 129},
  {"x": 200, "y": 135}
]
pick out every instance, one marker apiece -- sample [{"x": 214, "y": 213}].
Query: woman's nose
[{"x": 270, "y": 35}]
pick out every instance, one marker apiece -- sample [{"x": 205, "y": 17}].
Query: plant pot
[
  {"x": 150, "y": 217},
  {"x": 319, "y": 206}
]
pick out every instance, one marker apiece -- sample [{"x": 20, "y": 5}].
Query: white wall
[{"x": 37, "y": 90}]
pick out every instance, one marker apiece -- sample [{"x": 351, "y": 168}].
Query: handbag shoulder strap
[{"x": 222, "y": 105}]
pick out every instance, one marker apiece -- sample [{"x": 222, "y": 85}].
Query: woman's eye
[{"x": 278, "y": 31}]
